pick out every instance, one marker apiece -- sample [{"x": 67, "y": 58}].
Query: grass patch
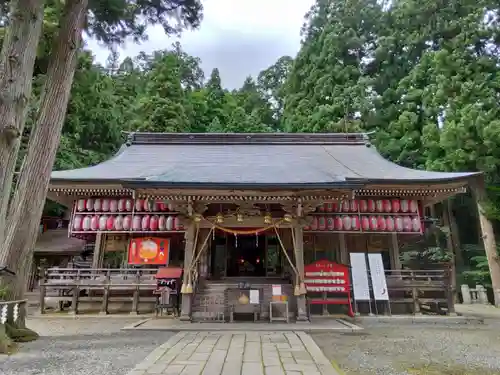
[{"x": 439, "y": 369}]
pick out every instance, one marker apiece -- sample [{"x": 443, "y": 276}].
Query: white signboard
[
  {"x": 254, "y": 296},
  {"x": 377, "y": 273},
  {"x": 276, "y": 290},
  {"x": 359, "y": 275}
]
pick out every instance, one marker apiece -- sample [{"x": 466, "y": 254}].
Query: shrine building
[{"x": 247, "y": 208}]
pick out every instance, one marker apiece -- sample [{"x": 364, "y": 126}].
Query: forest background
[{"x": 422, "y": 77}]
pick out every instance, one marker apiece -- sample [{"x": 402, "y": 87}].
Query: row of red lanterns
[
  {"x": 122, "y": 205},
  {"x": 126, "y": 222},
  {"x": 366, "y": 223},
  {"x": 371, "y": 205}
]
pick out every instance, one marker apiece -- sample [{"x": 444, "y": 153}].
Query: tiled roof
[{"x": 250, "y": 159}]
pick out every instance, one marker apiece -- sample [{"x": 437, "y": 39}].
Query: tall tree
[{"x": 106, "y": 23}]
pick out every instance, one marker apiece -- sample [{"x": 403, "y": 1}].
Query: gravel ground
[
  {"x": 81, "y": 346},
  {"x": 415, "y": 349}
]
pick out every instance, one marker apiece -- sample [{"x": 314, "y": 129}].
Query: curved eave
[{"x": 446, "y": 179}]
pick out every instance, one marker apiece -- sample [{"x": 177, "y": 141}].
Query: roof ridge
[{"x": 247, "y": 138}]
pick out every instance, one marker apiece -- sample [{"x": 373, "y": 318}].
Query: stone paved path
[{"x": 237, "y": 353}]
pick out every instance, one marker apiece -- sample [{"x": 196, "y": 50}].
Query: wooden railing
[
  {"x": 63, "y": 285},
  {"x": 421, "y": 287}
]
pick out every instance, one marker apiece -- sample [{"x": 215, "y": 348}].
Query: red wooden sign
[
  {"x": 148, "y": 250},
  {"x": 329, "y": 277}
]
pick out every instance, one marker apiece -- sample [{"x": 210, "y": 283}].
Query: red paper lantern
[
  {"x": 353, "y": 206},
  {"x": 379, "y": 205},
  {"x": 145, "y": 222},
  {"x": 102, "y": 222},
  {"x": 86, "y": 223},
  {"x": 373, "y": 223},
  {"x": 336, "y": 207},
  {"x": 338, "y": 223},
  {"x": 77, "y": 222},
  {"x": 407, "y": 224},
  {"x": 389, "y": 224},
  {"x": 170, "y": 223},
  {"x": 128, "y": 205},
  {"x": 162, "y": 223},
  {"x": 405, "y": 205},
  {"x": 396, "y": 205},
  {"x": 139, "y": 205},
  {"x": 329, "y": 207},
  {"x": 413, "y": 206},
  {"x": 127, "y": 222},
  {"x": 80, "y": 205},
  {"x": 94, "y": 223},
  {"x": 371, "y": 205},
  {"x": 89, "y": 205},
  {"x": 381, "y": 224},
  {"x": 365, "y": 223},
  {"x": 363, "y": 205},
  {"x": 415, "y": 224},
  {"x": 355, "y": 222},
  {"x": 386, "y": 203},
  {"x": 110, "y": 223},
  {"x": 153, "y": 222},
  {"x": 399, "y": 224},
  {"x": 345, "y": 206},
  {"x": 118, "y": 223},
  {"x": 156, "y": 206},
  {"x": 105, "y": 205},
  {"x": 170, "y": 207},
  {"x": 121, "y": 205},
  {"x": 136, "y": 223},
  {"x": 322, "y": 223},
  {"x": 346, "y": 222},
  {"x": 314, "y": 223},
  {"x": 330, "y": 223},
  {"x": 113, "y": 205},
  {"x": 321, "y": 208}
]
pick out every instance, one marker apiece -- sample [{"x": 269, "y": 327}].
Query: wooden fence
[
  {"x": 74, "y": 286},
  {"x": 13, "y": 313}
]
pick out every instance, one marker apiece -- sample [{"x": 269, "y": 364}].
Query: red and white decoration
[
  {"x": 368, "y": 215},
  {"x": 124, "y": 214}
]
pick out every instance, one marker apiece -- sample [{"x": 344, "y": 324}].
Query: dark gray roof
[{"x": 250, "y": 159}]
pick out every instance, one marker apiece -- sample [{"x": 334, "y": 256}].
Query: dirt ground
[{"x": 415, "y": 349}]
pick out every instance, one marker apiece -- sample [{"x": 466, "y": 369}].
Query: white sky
[{"x": 240, "y": 37}]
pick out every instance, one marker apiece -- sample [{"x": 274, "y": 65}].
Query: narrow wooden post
[
  {"x": 188, "y": 257},
  {"x": 135, "y": 300},
  {"x": 450, "y": 292},
  {"x": 344, "y": 253},
  {"x": 105, "y": 297},
  {"x": 43, "y": 289},
  {"x": 394, "y": 253},
  {"x": 488, "y": 236},
  {"x": 96, "y": 258},
  {"x": 414, "y": 294},
  {"x": 76, "y": 295},
  {"x": 299, "y": 264}
]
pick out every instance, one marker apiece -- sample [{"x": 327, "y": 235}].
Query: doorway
[{"x": 246, "y": 256}]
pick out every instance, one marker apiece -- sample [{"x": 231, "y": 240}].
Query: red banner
[
  {"x": 324, "y": 276},
  {"x": 148, "y": 250}
]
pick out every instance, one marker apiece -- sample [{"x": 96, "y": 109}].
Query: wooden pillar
[
  {"x": 488, "y": 236},
  {"x": 394, "y": 252},
  {"x": 451, "y": 249},
  {"x": 299, "y": 263},
  {"x": 344, "y": 253},
  {"x": 98, "y": 250},
  {"x": 188, "y": 258}
]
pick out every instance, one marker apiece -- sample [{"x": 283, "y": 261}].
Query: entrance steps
[{"x": 210, "y": 302}]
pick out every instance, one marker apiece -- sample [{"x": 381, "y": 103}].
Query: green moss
[
  {"x": 20, "y": 334},
  {"x": 7, "y": 346}
]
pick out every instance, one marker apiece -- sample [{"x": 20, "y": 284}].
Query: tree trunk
[
  {"x": 28, "y": 201},
  {"x": 17, "y": 62},
  {"x": 490, "y": 246}
]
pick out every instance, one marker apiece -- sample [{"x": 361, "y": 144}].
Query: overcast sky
[{"x": 240, "y": 37}]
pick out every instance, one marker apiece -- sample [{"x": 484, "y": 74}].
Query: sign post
[{"x": 329, "y": 278}]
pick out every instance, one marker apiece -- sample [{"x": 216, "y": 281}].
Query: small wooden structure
[{"x": 248, "y": 206}]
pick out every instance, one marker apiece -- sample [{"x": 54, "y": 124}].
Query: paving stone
[
  {"x": 252, "y": 368},
  {"x": 271, "y": 361},
  {"x": 199, "y": 357},
  {"x": 297, "y": 367},
  {"x": 274, "y": 370},
  {"x": 173, "y": 370},
  {"x": 193, "y": 369},
  {"x": 232, "y": 368},
  {"x": 253, "y": 352},
  {"x": 285, "y": 354}
]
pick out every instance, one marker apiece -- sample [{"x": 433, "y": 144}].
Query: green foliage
[
  {"x": 427, "y": 252},
  {"x": 478, "y": 272}
]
